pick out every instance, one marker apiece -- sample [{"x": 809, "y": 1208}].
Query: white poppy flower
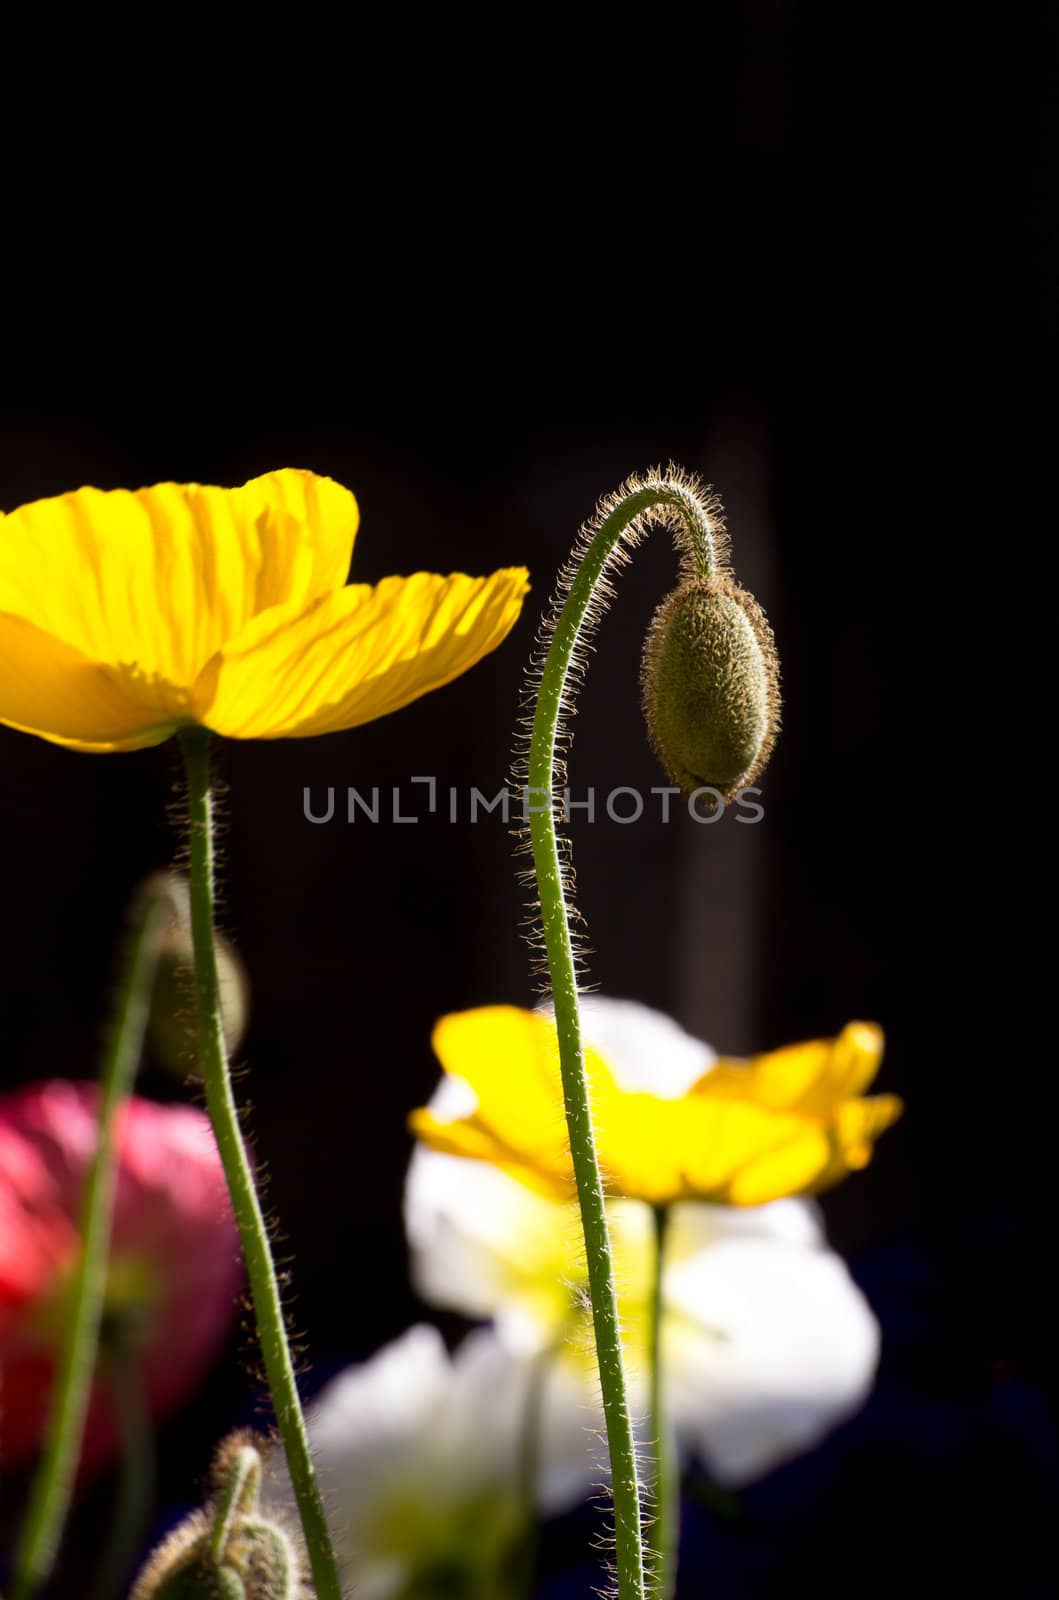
[
  {"x": 420, "y": 1456},
  {"x": 767, "y": 1342}
]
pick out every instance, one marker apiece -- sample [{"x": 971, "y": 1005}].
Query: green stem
[
  {"x": 136, "y": 1484},
  {"x": 663, "y": 1533},
  {"x": 573, "y": 622},
  {"x": 220, "y": 1101},
  {"x": 529, "y": 1466},
  {"x": 53, "y": 1485}
]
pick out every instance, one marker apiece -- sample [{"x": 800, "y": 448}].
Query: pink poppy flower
[{"x": 174, "y": 1271}]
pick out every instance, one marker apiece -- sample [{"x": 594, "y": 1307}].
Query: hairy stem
[
  {"x": 220, "y": 1101},
  {"x": 665, "y": 1525},
  {"x": 573, "y": 622},
  {"x": 53, "y": 1485}
]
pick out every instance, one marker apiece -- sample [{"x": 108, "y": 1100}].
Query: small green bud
[
  {"x": 200, "y": 1579},
  {"x": 266, "y": 1556},
  {"x": 231, "y": 1550},
  {"x": 182, "y": 1567},
  {"x": 711, "y": 686}
]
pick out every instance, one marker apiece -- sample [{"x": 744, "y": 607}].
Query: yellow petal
[
  {"x": 640, "y": 1141},
  {"x": 855, "y": 1061},
  {"x": 744, "y": 1135},
  {"x": 510, "y": 1059},
  {"x": 156, "y": 580},
  {"x": 792, "y": 1164},
  {"x": 667, "y": 1150},
  {"x": 857, "y": 1125},
  {"x": 472, "y": 1138},
  {"x": 358, "y": 655},
  {"x": 811, "y": 1078},
  {"x": 51, "y": 690}
]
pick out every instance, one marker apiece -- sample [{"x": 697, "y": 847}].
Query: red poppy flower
[{"x": 174, "y": 1268}]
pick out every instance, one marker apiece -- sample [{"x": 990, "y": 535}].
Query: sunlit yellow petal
[
  {"x": 792, "y": 1165},
  {"x": 855, "y": 1060},
  {"x": 811, "y": 1077},
  {"x": 54, "y": 691},
  {"x": 857, "y": 1125},
  {"x": 779, "y": 1079},
  {"x": 156, "y": 580},
  {"x": 229, "y": 608},
  {"x": 744, "y": 1134},
  {"x": 325, "y": 512},
  {"x": 357, "y": 655},
  {"x": 460, "y": 1136},
  {"x": 665, "y": 1150},
  {"x": 477, "y": 1141},
  {"x": 636, "y": 1142},
  {"x": 509, "y": 1058}
]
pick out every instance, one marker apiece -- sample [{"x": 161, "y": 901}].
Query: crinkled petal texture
[
  {"x": 420, "y": 1455},
  {"x": 126, "y": 614},
  {"x": 767, "y": 1342},
  {"x": 361, "y": 653},
  {"x": 112, "y": 602},
  {"x": 741, "y": 1133}
]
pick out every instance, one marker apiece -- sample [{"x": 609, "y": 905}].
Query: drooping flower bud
[
  {"x": 231, "y": 1550},
  {"x": 711, "y": 686},
  {"x": 200, "y": 1579}
]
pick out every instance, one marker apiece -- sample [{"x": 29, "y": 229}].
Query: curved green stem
[
  {"x": 665, "y": 1525},
  {"x": 53, "y": 1484},
  {"x": 220, "y": 1101},
  {"x": 573, "y": 621}
]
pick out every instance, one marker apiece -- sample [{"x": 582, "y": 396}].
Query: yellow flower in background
[
  {"x": 672, "y": 1121},
  {"x": 125, "y": 615}
]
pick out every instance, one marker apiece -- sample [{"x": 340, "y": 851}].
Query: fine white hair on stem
[{"x": 692, "y": 512}]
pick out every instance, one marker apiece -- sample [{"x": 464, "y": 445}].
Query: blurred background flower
[
  {"x": 435, "y": 1467},
  {"x": 767, "y": 1342},
  {"x": 741, "y": 1132},
  {"x": 173, "y": 1275}
]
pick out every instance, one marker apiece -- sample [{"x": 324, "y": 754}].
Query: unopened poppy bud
[
  {"x": 232, "y": 1550},
  {"x": 200, "y": 1580},
  {"x": 171, "y": 1027},
  {"x": 711, "y": 686}
]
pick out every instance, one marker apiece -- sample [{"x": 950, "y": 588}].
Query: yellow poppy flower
[
  {"x": 735, "y": 1132},
  {"x": 125, "y": 615}
]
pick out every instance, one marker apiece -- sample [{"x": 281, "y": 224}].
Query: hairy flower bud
[
  {"x": 171, "y": 1024},
  {"x": 231, "y": 1550},
  {"x": 711, "y": 686},
  {"x": 200, "y": 1579}
]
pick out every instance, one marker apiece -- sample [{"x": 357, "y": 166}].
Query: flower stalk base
[{"x": 253, "y": 1233}]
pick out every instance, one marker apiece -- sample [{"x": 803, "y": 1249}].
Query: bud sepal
[{"x": 230, "y": 1550}]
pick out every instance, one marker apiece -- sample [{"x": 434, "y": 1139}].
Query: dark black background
[{"x": 767, "y": 252}]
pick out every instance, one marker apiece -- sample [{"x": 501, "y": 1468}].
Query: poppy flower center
[{"x": 131, "y": 1298}]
